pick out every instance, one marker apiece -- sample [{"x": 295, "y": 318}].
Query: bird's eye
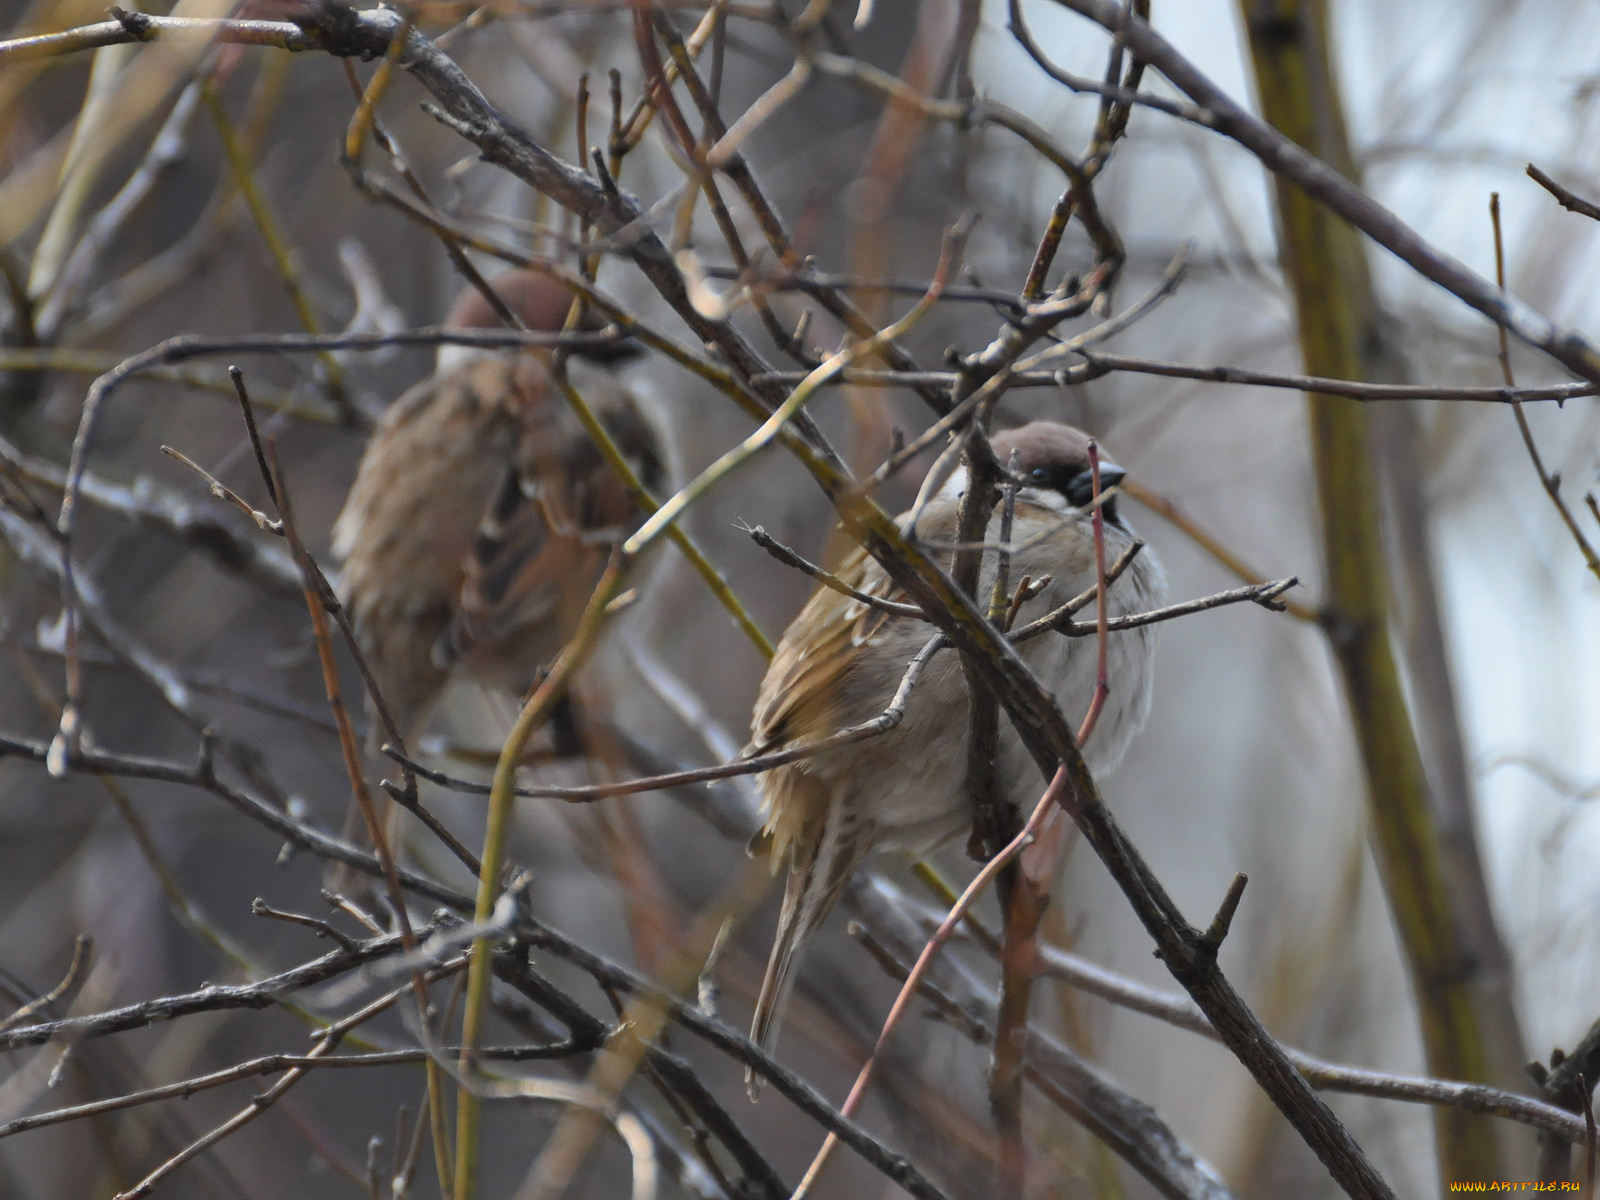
[{"x": 1039, "y": 475}]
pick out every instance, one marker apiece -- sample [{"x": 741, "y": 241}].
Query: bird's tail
[{"x": 819, "y": 868}]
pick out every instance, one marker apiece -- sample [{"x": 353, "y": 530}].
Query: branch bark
[{"x": 1458, "y": 965}]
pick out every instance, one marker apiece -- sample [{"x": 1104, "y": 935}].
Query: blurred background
[{"x": 1249, "y": 762}]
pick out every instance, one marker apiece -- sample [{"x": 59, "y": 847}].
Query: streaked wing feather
[
  {"x": 793, "y": 703},
  {"x": 544, "y": 540},
  {"x": 510, "y": 575},
  {"x": 402, "y": 547}
]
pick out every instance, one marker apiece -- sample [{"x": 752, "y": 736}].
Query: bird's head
[
  {"x": 1053, "y": 470},
  {"x": 542, "y": 304}
]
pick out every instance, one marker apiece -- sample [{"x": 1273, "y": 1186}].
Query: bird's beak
[{"x": 1082, "y": 487}]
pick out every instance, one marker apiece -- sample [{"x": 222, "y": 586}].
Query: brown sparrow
[
  {"x": 840, "y": 662},
  {"x": 482, "y": 515}
]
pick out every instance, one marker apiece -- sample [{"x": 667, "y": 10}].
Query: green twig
[
  {"x": 271, "y": 234},
  {"x": 703, "y": 566}
]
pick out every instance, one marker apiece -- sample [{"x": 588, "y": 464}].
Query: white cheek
[
  {"x": 955, "y": 485},
  {"x": 452, "y": 356},
  {"x": 1048, "y": 498}
]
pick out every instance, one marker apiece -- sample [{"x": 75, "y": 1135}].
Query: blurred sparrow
[
  {"x": 482, "y": 515},
  {"x": 840, "y": 662}
]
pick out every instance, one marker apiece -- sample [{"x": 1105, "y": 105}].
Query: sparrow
[
  {"x": 482, "y": 515},
  {"x": 840, "y": 662}
]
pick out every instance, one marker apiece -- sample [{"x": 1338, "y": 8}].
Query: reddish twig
[
  {"x": 930, "y": 951},
  {"x": 1102, "y": 685}
]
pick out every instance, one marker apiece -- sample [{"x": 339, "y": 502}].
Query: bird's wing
[
  {"x": 543, "y": 541},
  {"x": 429, "y": 469},
  {"x": 796, "y": 701},
  {"x": 808, "y": 673}
]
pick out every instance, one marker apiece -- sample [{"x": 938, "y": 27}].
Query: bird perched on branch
[
  {"x": 482, "y": 513},
  {"x": 841, "y": 660}
]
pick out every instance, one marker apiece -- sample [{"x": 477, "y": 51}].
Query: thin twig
[
  {"x": 327, "y": 1040},
  {"x": 82, "y": 950},
  {"x": 317, "y": 592},
  {"x": 687, "y": 546},
  {"x": 879, "y": 725},
  {"x": 148, "y": 503},
  {"x": 263, "y": 812},
  {"x": 1201, "y": 537},
  {"x": 832, "y": 582},
  {"x": 272, "y": 1064},
  {"x": 223, "y": 492},
  {"x": 324, "y": 929},
  {"x": 1126, "y": 1124},
  {"x": 1322, "y": 385},
  {"x": 1550, "y": 482},
  {"x": 1281, "y": 155},
  {"x": 1178, "y": 1010},
  {"x": 892, "y": 1165},
  {"x": 930, "y": 951},
  {"x": 949, "y": 254},
  {"x": 1265, "y": 594},
  {"x": 212, "y": 998},
  {"x": 534, "y": 714},
  {"x": 1568, "y": 200}
]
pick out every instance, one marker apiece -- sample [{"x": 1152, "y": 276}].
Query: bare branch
[
  {"x": 1282, "y": 156},
  {"x": 213, "y": 998}
]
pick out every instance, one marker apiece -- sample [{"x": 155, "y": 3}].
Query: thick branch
[
  {"x": 1047, "y": 736},
  {"x": 1121, "y": 1120}
]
